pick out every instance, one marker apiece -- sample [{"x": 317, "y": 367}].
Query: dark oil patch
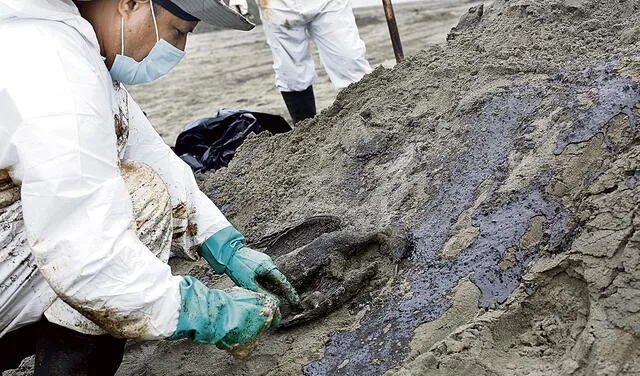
[
  {"x": 494, "y": 130},
  {"x": 180, "y": 211}
]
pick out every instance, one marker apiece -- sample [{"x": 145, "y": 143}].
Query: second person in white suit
[{"x": 290, "y": 26}]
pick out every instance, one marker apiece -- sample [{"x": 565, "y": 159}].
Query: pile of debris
[{"x": 483, "y": 208}]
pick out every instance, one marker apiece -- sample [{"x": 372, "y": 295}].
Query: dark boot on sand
[{"x": 301, "y": 104}]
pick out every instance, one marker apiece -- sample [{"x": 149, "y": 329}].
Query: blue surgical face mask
[{"x": 160, "y": 60}]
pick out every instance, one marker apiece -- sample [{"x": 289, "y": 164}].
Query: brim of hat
[{"x": 215, "y": 12}]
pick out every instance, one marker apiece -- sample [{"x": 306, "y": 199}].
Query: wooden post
[{"x": 393, "y": 30}]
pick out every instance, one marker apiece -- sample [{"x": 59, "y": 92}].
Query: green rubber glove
[
  {"x": 225, "y": 319},
  {"x": 226, "y": 252}
]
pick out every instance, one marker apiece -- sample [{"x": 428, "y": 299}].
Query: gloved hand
[
  {"x": 240, "y": 5},
  {"x": 226, "y": 253},
  {"x": 223, "y": 318}
]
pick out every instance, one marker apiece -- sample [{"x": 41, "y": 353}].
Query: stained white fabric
[
  {"x": 24, "y": 293},
  {"x": 290, "y": 25},
  {"x": 74, "y": 236},
  {"x": 195, "y": 217},
  {"x": 152, "y": 223}
]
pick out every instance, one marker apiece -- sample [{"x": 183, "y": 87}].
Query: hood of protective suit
[{"x": 63, "y": 11}]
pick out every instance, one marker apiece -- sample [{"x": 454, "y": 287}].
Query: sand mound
[{"x": 513, "y": 154}]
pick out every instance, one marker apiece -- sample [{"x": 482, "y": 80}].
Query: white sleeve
[
  {"x": 9, "y": 121},
  {"x": 195, "y": 216},
  {"x": 77, "y": 212}
]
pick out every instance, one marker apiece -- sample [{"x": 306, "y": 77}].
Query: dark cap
[{"x": 214, "y": 12}]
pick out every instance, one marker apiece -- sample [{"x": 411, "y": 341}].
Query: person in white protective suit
[
  {"x": 92, "y": 201},
  {"x": 289, "y": 25}
]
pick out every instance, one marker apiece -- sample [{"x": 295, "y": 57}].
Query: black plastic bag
[{"x": 211, "y": 143}]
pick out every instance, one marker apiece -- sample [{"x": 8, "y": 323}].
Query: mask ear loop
[
  {"x": 122, "y": 35},
  {"x": 155, "y": 23}
]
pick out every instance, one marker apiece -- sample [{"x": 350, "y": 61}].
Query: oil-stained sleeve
[
  {"x": 77, "y": 212},
  {"x": 195, "y": 216}
]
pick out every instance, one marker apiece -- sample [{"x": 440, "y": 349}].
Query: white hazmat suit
[
  {"x": 289, "y": 25},
  {"x": 66, "y": 133}
]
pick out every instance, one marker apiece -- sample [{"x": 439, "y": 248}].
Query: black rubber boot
[
  {"x": 17, "y": 345},
  {"x": 301, "y": 104}
]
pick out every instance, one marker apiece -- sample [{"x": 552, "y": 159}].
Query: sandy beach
[{"x": 232, "y": 69}]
